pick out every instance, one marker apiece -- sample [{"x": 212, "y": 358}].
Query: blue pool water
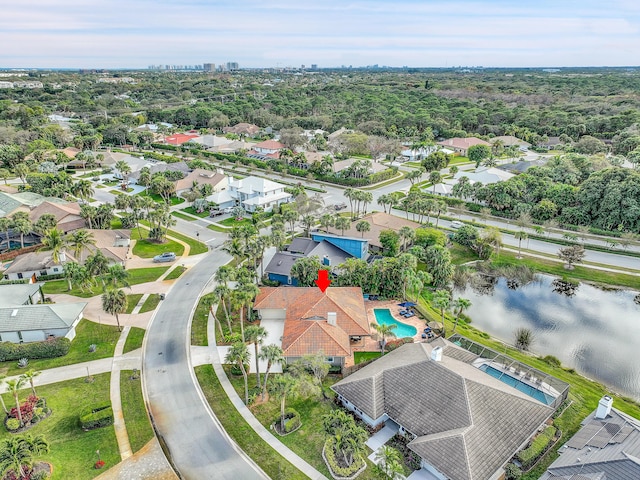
[
  {"x": 384, "y": 317},
  {"x": 518, "y": 385}
]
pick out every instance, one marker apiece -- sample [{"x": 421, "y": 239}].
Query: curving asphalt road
[{"x": 194, "y": 441}]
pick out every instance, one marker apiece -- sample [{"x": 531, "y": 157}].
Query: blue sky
[{"x": 430, "y": 33}]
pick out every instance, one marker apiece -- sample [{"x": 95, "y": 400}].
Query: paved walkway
[
  {"x": 278, "y": 446},
  {"x": 116, "y": 404}
]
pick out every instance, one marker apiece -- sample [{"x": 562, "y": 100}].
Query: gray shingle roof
[
  {"x": 17, "y": 294},
  {"x": 467, "y": 423},
  {"x": 39, "y": 317},
  {"x": 618, "y": 459}
]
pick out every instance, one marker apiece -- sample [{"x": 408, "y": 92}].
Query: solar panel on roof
[
  {"x": 613, "y": 428},
  {"x": 622, "y": 435},
  {"x": 600, "y": 440},
  {"x": 580, "y": 439}
]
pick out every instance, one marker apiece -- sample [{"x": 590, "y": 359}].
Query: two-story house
[{"x": 254, "y": 192}]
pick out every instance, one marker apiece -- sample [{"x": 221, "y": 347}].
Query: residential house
[
  {"x": 379, "y": 221},
  {"x": 34, "y": 264},
  {"x": 234, "y": 147},
  {"x": 268, "y": 149},
  {"x": 461, "y": 145},
  {"x": 199, "y": 176},
  {"x": 246, "y": 129},
  {"x": 107, "y": 159},
  {"x": 12, "y": 295},
  {"x": 551, "y": 143},
  {"x": 337, "y": 133},
  {"x": 67, "y": 215},
  {"x": 114, "y": 244},
  {"x": 331, "y": 250},
  {"x": 36, "y": 323},
  {"x": 211, "y": 142},
  {"x": 418, "y": 154},
  {"x": 463, "y": 423},
  {"x": 485, "y": 175},
  {"x": 607, "y": 447},
  {"x": 253, "y": 192},
  {"x": 343, "y": 165},
  {"x": 312, "y": 321},
  {"x": 178, "y": 139},
  {"x": 511, "y": 141},
  {"x": 11, "y": 203}
]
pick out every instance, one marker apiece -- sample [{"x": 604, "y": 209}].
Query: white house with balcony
[{"x": 253, "y": 192}]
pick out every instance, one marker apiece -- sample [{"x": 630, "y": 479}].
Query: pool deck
[{"x": 370, "y": 344}]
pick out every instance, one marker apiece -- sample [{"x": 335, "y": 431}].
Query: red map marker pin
[{"x": 323, "y": 280}]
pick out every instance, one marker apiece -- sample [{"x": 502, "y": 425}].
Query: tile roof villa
[
  {"x": 461, "y": 145},
  {"x": 464, "y": 422},
  {"x": 315, "y": 321}
]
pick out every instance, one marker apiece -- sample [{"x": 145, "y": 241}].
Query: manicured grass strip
[
  {"x": 157, "y": 198},
  {"x": 232, "y": 222},
  {"x": 132, "y": 301},
  {"x": 134, "y": 339},
  {"x": 145, "y": 275},
  {"x": 72, "y": 451},
  {"x": 216, "y": 228},
  {"x": 200, "y": 320},
  {"x": 135, "y": 412},
  {"x": 150, "y": 303},
  {"x": 176, "y": 272},
  {"x": 61, "y": 286},
  {"x": 145, "y": 248},
  {"x": 183, "y": 216},
  {"x": 580, "y": 273},
  {"x": 196, "y": 247},
  {"x": 273, "y": 464},
  {"x": 104, "y": 337},
  {"x": 359, "y": 357},
  {"x": 192, "y": 211}
]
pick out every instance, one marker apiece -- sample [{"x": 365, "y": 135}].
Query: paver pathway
[{"x": 116, "y": 404}]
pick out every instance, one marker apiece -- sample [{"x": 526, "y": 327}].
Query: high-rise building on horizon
[
  {"x": 232, "y": 66},
  {"x": 209, "y": 67}
]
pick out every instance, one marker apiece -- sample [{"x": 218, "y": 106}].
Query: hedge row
[
  {"x": 55, "y": 276},
  {"x": 97, "y": 417},
  {"x": 538, "y": 446},
  {"x": 54, "y": 347}
]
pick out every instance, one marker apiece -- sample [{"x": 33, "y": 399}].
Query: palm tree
[
  {"x": 73, "y": 272},
  {"x": 384, "y": 331},
  {"x": 256, "y": 334},
  {"x": 22, "y": 224},
  {"x": 89, "y": 213},
  {"x": 17, "y": 453},
  {"x": 235, "y": 248},
  {"x": 363, "y": 226},
  {"x": 22, "y": 170},
  {"x": 222, "y": 292},
  {"x": 243, "y": 296},
  {"x": 349, "y": 194},
  {"x": 239, "y": 355},
  {"x": 520, "y": 235},
  {"x": 80, "y": 240},
  {"x": 342, "y": 224},
  {"x": 83, "y": 189},
  {"x": 124, "y": 169},
  {"x": 460, "y": 305},
  {"x": 114, "y": 301},
  {"x": 273, "y": 355},
  {"x": 5, "y": 225},
  {"x": 388, "y": 459},
  {"x": 97, "y": 265},
  {"x": 13, "y": 386},
  {"x": 55, "y": 242},
  {"x": 283, "y": 386},
  {"x": 28, "y": 376},
  {"x": 327, "y": 221},
  {"x": 407, "y": 235},
  {"x": 4, "y": 407},
  {"x": 117, "y": 275},
  {"x": 442, "y": 300}
]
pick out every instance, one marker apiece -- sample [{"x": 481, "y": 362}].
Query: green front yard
[
  {"x": 157, "y": 198},
  {"x": 145, "y": 248},
  {"x": 88, "y": 333},
  {"x": 192, "y": 211},
  {"x": 359, "y": 357},
  {"x": 134, "y": 339},
  {"x": 132, "y": 301},
  {"x": 145, "y": 275},
  {"x": 182, "y": 216},
  {"x": 232, "y": 222},
  {"x": 134, "y": 410},
  {"x": 150, "y": 303},
  {"x": 175, "y": 273},
  {"x": 72, "y": 450}
]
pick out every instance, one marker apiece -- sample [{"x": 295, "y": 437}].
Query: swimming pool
[
  {"x": 517, "y": 384},
  {"x": 384, "y": 317}
]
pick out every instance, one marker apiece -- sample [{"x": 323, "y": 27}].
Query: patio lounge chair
[{"x": 409, "y": 315}]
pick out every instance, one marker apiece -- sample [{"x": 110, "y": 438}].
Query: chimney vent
[
  {"x": 436, "y": 354},
  {"x": 604, "y": 407},
  {"x": 326, "y": 260},
  {"x": 331, "y": 318},
  {"x": 62, "y": 256}
]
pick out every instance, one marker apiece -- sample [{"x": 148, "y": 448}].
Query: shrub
[
  {"x": 291, "y": 420},
  {"x": 93, "y": 347},
  {"x": 23, "y": 362},
  {"x": 512, "y": 472},
  {"x": 330, "y": 456},
  {"x": 12, "y": 424},
  {"x": 393, "y": 344},
  {"x": 551, "y": 360},
  {"x": 96, "y": 417},
  {"x": 55, "y": 276},
  {"x": 538, "y": 446},
  {"x": 54, "y": 347}
]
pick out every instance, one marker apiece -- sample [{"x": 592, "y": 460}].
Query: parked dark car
[{"x": 340, "y": 206}]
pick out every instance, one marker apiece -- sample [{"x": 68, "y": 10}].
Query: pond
[{"x": 593, "y": 330}]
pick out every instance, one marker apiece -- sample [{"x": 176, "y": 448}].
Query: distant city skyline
[{"x": 288, "y": 33}]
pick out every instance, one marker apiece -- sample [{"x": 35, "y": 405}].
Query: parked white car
[{"x": 456, "y": 224}]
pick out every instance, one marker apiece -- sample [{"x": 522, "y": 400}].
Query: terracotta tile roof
[
  {"x": 201, "y": 176},
  {"x": 179, "y": 138},
  {"x": 246, "y": 128},
  {"x": 306, "y": 329},
  {"x": 270, "y": 144},
  {"x": 463, "y": 143},
  {"x": 67, "y": 215}
]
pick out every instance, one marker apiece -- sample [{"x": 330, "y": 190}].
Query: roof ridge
[
  {"x": 468, "y": 428},
  {"x": 297, "y": 337},
  {"x": 329, "y": 331}
]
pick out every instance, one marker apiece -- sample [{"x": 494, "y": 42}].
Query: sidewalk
[
  {"x": 116, "y": 404},
  {"x": 278, "y": 446}
]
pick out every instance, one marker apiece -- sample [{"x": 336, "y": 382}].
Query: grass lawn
[
  {"x": 94, "y": 173},
  {"x": 192, "y": 211},
  {"x": 135, "y": 412},
  {"x": 144, "y": 275},
  {"x": 73, "y": 451},
  {"x": 309, "y": 439},
  {"x": 200, "y": 320},
  {"x": 157, "y": 198},
  {"x": 104, "y": 337},
  {"x": 61, "y": 286},
  {"x": 232, "y": 222},
  {"x": 150, "y": 303},
  {"x": 457, "y": 160},
  {"x": 274, "y": 464},
  {"x": 580, "y": 273},
  {"x": 216, "y": 228},
  {"x": 134, "y": 339},
  {"x": 145, "y": 248},
  {"x": 461, "y": 254},
  {"x": 182, "y": 216},
  {"x": 360, "y": 357},
  {"x": 196, "y": 247},
  {"x": 176, "y": 272},
  {"x": 132, "y": 301},
  {"x": 111, "y": 183}
]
